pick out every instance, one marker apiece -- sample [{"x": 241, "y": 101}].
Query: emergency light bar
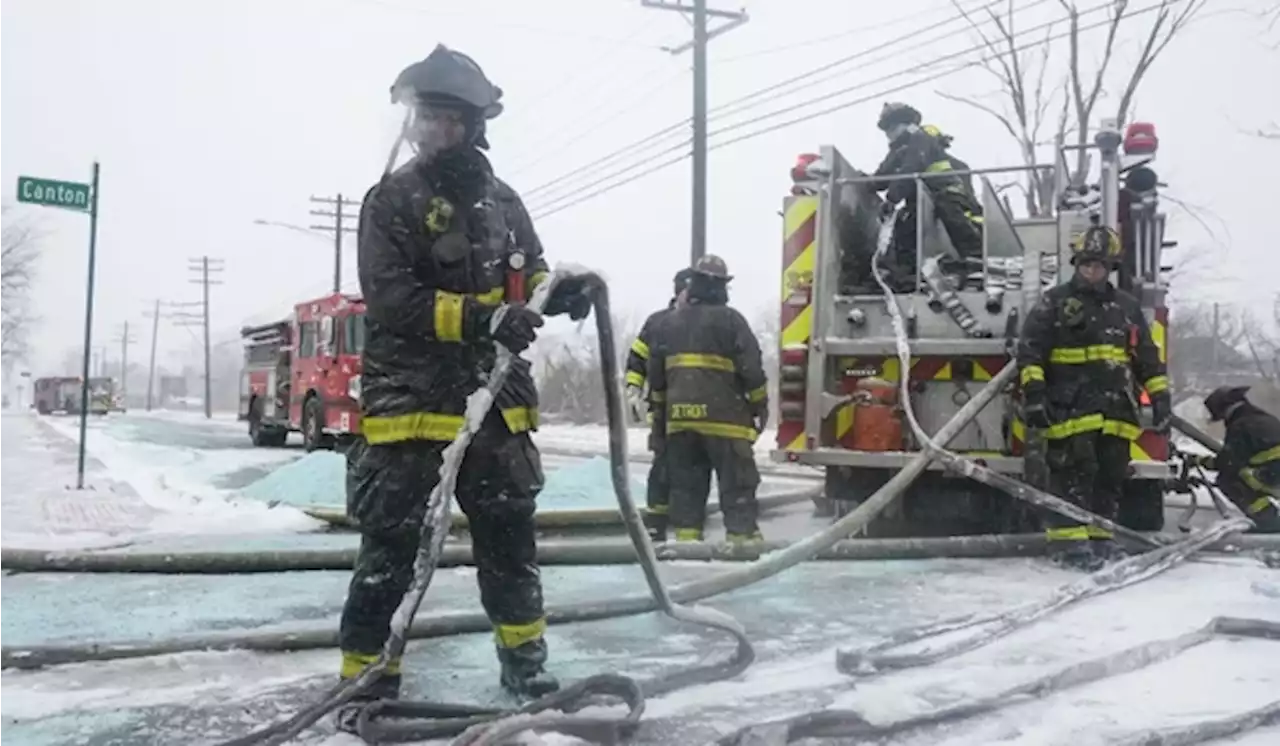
[{"x": 1140, "y": 139}]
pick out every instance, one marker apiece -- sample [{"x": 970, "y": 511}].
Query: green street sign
[{"x": 50, "y": 193}]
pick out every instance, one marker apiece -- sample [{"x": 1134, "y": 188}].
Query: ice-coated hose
[
  {"x": 849, "y": 723},
  {"x": 555, "y": 712},
  {"x": 435, "y": 525}
]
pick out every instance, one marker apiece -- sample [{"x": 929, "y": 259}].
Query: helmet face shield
[{"x": 434, "y": 127}]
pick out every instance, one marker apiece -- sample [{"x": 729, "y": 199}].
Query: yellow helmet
[{"x": 1099, "y": 243}]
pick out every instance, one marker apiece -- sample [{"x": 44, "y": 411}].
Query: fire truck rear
[
  {"x": 839, "y": 370},
  {"x": 302, "y": 374}
]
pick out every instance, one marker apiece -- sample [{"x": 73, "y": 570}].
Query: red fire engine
[{"x": 302, "y": 374}]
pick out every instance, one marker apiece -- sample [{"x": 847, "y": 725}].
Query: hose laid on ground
[
  {"x": 576, "y": 518},
  {"x": 847, "y": 723},
  {"x": 1127, "y": 572}
]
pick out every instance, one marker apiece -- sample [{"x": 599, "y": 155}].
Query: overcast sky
[{"x": 207, "y": 116}]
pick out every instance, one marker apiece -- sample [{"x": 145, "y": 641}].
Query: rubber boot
[
  {"x": 739, "y": 540},
  {"x": 1075, "y": 555},
  {"x": 688, "y": 534},
  {"x": 1107, "y": 550},
  {"x": 386, "y": 687},
  {"x": 522, "y": 670}
]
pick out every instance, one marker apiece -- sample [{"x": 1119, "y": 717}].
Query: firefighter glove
[
  {"x": 1162, "y": 413},
  {"x": 887, "y": 209},
  {"x": 1202, "y": 460},
  {"x": 636, "y": 404},
  {"x": 517, "y": 328},
  {"x": 760, "y": 417},
  {"x": 1035, "y": 408},
  {"x": 571, "y": 295}
]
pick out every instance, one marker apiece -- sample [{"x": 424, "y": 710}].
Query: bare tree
[
  {"x": 21, "y": 250},
  {"x": 1022, "y": 72}
]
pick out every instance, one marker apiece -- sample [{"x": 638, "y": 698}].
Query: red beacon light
[
  {"x": 808, "y": 168},
  {"x": 1140, "y": 139}
]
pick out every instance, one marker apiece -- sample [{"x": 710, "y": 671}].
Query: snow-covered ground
[{"x": 166, "y": 479}]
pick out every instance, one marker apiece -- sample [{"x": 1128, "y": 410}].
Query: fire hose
[{"x": 876, "y": 658}]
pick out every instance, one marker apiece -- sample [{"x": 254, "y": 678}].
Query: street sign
[
  {"x": 68, "y": 194},
  {"x": 71, "y": 195}
]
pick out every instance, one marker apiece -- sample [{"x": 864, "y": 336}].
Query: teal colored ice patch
[{"x": 319, "y": 479}]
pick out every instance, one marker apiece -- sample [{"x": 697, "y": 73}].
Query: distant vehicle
[
  {"x": 302, "y": 374},
  {"x": 57, "y": 394}
]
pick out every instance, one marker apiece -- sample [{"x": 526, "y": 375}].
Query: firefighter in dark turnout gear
[
  {"x": 913, "y": 149},
  {"x": 435, "y": 246},
  {"x": 658, "y": 488},
  {"x": 705, "y": 369},
  {"x": 1249, "y": 464},
  {"x": 945, "y": 140},
  {"x": 1084, "y": 351}
]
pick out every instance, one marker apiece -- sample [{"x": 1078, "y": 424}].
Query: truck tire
[
  {"x": 313, "y": 435},
  {"x": 263, "y": 435},
  {"x": 1142, "y": 505},
  {"x": 43, "y": 408}
]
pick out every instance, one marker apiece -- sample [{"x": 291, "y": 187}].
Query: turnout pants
[
  {"x": 691, "y": 457},
  {"x": 388, "y": 486},
  {"x": 1087, "y": 470},
  {"x": 658, "y": 489},
  {"x": 961, "y": 217}
]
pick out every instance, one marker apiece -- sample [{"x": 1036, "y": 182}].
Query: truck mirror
[{"x": 326, "y": 334}]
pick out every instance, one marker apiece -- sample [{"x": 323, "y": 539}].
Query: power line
[
  {"x": 335, "y": 227},
  {"x": 203, "y": 266},
  {"x": 733, "y": 105},
  {"x": 577, "y": 197}
]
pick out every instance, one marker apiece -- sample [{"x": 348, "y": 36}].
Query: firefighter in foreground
[
  {"x": 658, "y": 488},
  {"x": 437, "y": 240},
  {"x": 912, "y": 149},
  {"x": 1249, "y": 464},
  {"x": 705, "y": 371},
  {"x": 1084, "y": 349}
]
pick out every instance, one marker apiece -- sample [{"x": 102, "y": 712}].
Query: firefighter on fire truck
[
  {"x": 705, "y": 368},
  {"x": 1249, "y": 464},
  {"x": 1082, "y": 350},
  {"x": 657, "y": 492},
  {"x": 439, "y": 239},
  {"x": 912, "y": 149}
]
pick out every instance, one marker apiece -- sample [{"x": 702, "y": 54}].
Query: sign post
[{"x": 82, "y": 198}]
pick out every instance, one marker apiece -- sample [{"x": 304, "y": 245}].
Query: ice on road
[{"x": 164, "y": 480}]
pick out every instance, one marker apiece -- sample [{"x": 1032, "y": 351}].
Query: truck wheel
[
  {"x": 261, "y": 434},
  {"x": 313, "y": 436},
  {"x": 1142, "y": 505}
]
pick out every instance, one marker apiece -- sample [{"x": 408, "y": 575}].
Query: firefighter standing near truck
[
  {"x": 1084, "y": 350},
  {"x": 657, "y": 490},
  {"x": 439, "y": 240},
  {"x": 914, "y": 150},
  {"x": 705, "y": 370},
  {"x": 1249, "y": 464}
]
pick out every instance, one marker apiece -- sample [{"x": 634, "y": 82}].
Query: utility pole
[
  {"x": 1213, "y": 354},
  {"x": 338, "y": 215},
  {"x": 151, "y": 366},
  {"x": 203, "y": 266},
  {"x": 125, "y": 340},
  {"x": 701, "y": 35}
]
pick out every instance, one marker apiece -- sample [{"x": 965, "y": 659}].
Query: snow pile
[{"x": 319, "y": 479}]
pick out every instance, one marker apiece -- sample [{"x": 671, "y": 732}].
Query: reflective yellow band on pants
[
  {"x": 1157, "y": 384},
  {"x": 938, "y": 167},
  {"x": 657, "y": 509},
  {"x": 515, "y": 635},
  {"x": 1089, "y": 423},
  {"x": 635, "y": 379},
  {"x": 1032, "y": 373},
  {"x": 698, "y": 360},
  {"x": 640, "y": 349},
  {"x": 688, "y": 534},
  {"x": 756, "y": 396},
  {"x": 1262, "y": 457},
  {"x": 429, "y": 426},
  {"x": 714, "y": 429},
  {"x": 1090, "y": 354},
  {"x": 1257, "y": 506},
  {"x": 1070, "y": 533},
  {"x": 353, "y": 663},
  {"x": 1098, "y": 532}
]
